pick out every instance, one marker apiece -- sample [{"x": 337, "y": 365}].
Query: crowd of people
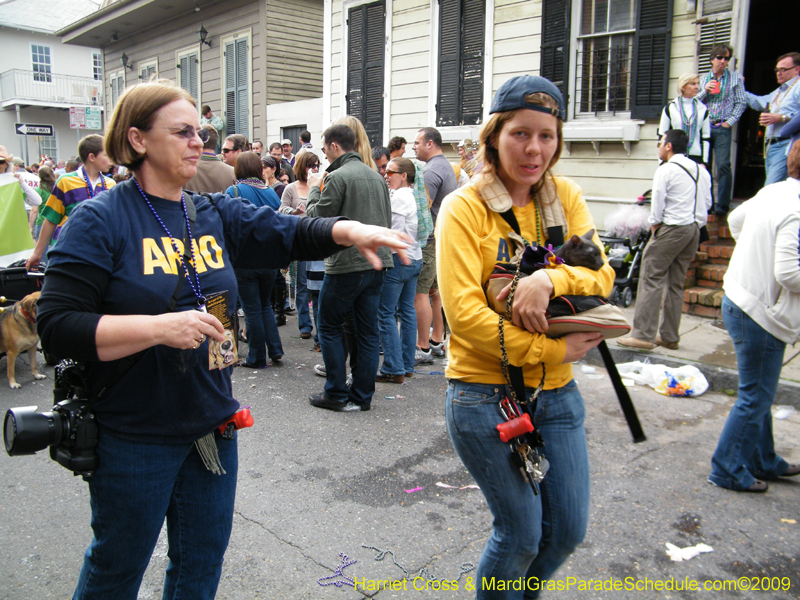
[{"x": 380, "y": 252}]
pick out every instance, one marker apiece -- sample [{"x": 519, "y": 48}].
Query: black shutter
[
  {"x": 448, "y": 100},
  {"x": 651, "y": 51},
  {"x": 365, "y": 66},
  {"x": 472, "y": 39},
  {"x": 459, "y": 99},
  {"x": 555, "y": 43}
]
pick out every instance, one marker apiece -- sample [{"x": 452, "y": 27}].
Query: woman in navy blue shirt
[{"x": 113, "y": 292}]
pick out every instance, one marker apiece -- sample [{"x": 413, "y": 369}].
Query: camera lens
[{"x": 26, "y": 431}]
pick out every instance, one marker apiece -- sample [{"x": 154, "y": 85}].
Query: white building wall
[{"x": 65, "y": 60}]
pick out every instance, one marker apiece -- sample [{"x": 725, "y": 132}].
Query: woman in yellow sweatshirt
[{"x": 533, "y": 534}]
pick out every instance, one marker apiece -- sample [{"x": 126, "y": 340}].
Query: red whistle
[{"x": 515, "y": 427}]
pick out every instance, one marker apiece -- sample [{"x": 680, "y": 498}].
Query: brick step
[
  {"x": 712, "y": 272},
  {"x": 698, "y": 310},
  {"x": 723, "y": 248},
  {"x": 703, "y": 296}
]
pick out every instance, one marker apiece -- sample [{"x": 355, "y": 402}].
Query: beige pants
[{"x": 660, "y": 293}]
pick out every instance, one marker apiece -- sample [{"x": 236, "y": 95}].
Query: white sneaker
[
  {"x": 423, "y": 358},
  {"x": 437, "y": 349},
  {"x": 320, "y": 370}
]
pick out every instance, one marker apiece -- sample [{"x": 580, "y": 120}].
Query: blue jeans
[
  {"x": 397, "y": 302},
  {"x": 746, "y": 448},
  {"x": 361, "y": 292},
  {"x": 721, "y": 152},
  {"x": 775, "y": 162},
  {"x": 301, "y": 300},
  {"x": 533, "y": 535},
  {"x": 135, "y": 487},
  {"x": 255, "y": 290}
]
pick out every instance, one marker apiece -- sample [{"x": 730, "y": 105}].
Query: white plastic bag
[{"x": 682, "y": 381}]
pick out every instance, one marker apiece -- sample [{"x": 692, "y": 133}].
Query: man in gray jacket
[
  {"x": 213, "y": 176},
  {"x": 350, "y": 189}
]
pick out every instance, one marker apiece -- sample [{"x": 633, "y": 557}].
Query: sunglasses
[
  {"x": 188, "y": 132},
  {"x": 389, "y": 172},
  {"x": 316, "y": 166},
  {"x": 725, "y": 58},
  {"x": 783, "y": 70},
  {"x": 226, "y": 150},
  {"x": 2, "y": 161}
]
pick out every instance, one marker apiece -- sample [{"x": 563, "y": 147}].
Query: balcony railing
[{"x": 25, "y": 87}]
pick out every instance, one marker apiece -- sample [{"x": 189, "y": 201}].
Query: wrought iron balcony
[{"x": 27, "y": 88}]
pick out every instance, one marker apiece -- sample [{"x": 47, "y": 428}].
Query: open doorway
[{"x": 768, "y": 37}]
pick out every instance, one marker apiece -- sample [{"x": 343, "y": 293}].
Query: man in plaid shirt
[{"x": 723, "y": 91}]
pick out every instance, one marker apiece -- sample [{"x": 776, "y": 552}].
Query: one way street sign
[{"x": 29, "y": 129}]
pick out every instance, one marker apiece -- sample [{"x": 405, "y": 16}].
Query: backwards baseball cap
[
  {"x": 284, "y": 142},
  {"x": 511, "y": 96}
]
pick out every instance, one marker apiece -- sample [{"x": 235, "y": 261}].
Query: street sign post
[{"x": 30, "y": 129}]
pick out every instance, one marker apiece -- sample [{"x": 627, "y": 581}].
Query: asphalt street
[{"x": 315, "y": 486}]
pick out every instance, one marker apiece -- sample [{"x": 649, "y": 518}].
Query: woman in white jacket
[
  {"x": 688, "y": 113},
  {"x": 761, "y": 310}
]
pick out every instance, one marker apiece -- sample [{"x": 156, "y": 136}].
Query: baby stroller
[{"x": 627, "y": 233}]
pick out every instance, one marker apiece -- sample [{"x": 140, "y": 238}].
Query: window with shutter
[
  {"x": 148, "y": 70},
  {"x": 188, "y": 73},
  {"x": 117, "y": 85},
  {"x": 622, "y": 57},
  {"x": 237, "y": 90},
  {"x": 365, "y": 67},
  {"x": 716, "y": 27},
  {"x": 459, "y": 98}
]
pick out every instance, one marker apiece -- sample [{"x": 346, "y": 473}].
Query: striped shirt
[
  {"x": 69, "y": 191},
  {"x": 729, "y": 104}
]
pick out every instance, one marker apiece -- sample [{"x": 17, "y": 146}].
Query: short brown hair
[
  {"x": 396, "y": 143},
  {"x": 795, "y": 56},
  {"x": 303, "y": 163},
  {"x": 488, "y": 153},
  {"x": 137, "y": 107},
  {"x": 238, "y": 140},
  {"x": 91, "y": 144},
  {"x": 793, "y": 161},
  {"x": 248, "y": 166},
  {"x": 205, "y": 109},
  {"x": 404, "y": 165},
  {"x": 720, "y": 49},
  {"x": 213, "y": 136}
]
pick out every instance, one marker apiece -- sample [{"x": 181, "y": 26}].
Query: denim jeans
[
  {"x": 746, "y": 449},
  {"x": 340, "y": 293},
  {"x": 397, "y": 302},
  {"x": 301, "y": 299},
  {"x": 532, "y": 535},
  {"x": 775, "y": 162},
  {"x": 721, "y": 152},
  {"x": 255, "y": 290},
  {"x": 135, "y": 487}
]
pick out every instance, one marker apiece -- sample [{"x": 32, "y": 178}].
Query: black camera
[{"x": 69, "y": 428}]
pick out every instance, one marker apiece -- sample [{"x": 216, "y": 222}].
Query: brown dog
[{"x": 18, "y": 334}]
